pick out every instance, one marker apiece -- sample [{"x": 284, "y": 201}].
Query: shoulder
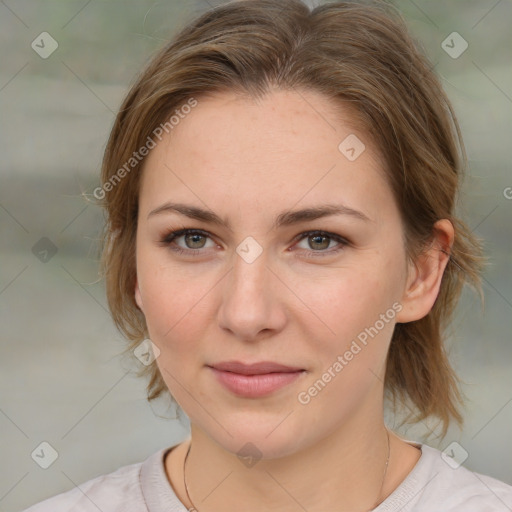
[
  {"x": 438, "y": 482},
  {"x": 117, "y": 491}
]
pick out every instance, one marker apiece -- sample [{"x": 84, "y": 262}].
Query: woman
[{"x": 283, "y": 253}]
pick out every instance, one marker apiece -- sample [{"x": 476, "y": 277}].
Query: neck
[{"x": 342, "y": 472}]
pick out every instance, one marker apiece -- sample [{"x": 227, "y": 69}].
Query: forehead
[
  {"x": 293, "y": 123},
  {"x": 265, "y": 153}
]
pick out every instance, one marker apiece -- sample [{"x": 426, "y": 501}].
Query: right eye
[{"x": 193, "y": 237}]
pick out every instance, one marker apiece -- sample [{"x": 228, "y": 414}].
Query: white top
[{"x": 433, "y": 485}]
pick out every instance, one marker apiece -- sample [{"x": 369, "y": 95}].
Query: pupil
[
  {"x": 195, "y": 236},
  {"x": 316, "y": 237}
]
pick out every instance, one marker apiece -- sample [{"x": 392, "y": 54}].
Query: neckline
[
  {"x": 408, "y": 487},
  {"x": 160, "y": 495}
]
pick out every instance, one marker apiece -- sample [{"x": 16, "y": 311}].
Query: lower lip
[{"x": 253, "y": 386}]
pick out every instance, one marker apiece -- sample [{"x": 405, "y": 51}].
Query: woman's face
[{"x": 260, "y": 285}]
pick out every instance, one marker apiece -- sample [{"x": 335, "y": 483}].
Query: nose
[{"x": 252, "y": 299}]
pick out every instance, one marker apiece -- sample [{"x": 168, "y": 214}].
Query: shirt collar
[
  {"x": 160, "y": 496},
  {"x": 155, "y": 486}
]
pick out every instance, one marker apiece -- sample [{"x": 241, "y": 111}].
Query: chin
[{"x": 254, "y": 435}]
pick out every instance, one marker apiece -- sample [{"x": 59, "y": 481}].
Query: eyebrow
[{"x": 286, "y": 218}]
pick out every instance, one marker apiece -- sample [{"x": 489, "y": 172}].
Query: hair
[{"x": 361, "y": 57}]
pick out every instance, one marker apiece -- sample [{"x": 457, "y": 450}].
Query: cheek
[
  {"x": 175, "y": 306},
  {"x": 174, "y": 298},
  {"x": 173, "y": 309},
  {"x": 341, "y": 303},
  {"x": 351, "y": 361}
]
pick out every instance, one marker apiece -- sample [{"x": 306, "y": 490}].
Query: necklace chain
[{"x": 194, "y": 509}]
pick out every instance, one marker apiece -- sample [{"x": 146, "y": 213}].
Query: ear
[
  {"x": 424, "y": 277},
  {"x": 138, "y": 298}
]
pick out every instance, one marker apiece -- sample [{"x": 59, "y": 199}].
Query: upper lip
[{"x": 259, "y": 368}]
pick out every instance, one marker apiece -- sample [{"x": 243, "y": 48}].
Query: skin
[{"x": 249, "y": 161}]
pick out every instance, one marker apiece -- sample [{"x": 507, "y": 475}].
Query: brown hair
[{"x": 355, "y": 54}]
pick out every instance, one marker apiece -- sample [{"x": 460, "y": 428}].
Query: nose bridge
[
  {"x": 249, "y": 270},
  {"x": 249, "y": 304}
]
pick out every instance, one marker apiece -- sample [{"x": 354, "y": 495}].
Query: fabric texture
[{"x": 433, "y": 485}]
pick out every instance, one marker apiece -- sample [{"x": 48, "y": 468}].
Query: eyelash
[{"x": 169, "y": 237}]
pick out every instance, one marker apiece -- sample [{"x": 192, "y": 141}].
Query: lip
[
  {"x": 259, "y": 368},
  {"x": 254, "y": 380}
]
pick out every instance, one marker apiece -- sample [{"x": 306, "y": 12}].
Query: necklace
[{"x": 194, "y": 509}]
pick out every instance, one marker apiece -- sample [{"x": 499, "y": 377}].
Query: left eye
[{"x": 318, "y": 242}]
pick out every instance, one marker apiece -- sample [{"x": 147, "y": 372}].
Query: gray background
[{"x": 62, "y": 380}]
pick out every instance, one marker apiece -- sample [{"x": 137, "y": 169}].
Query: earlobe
[{"x": 424, "y": 279}]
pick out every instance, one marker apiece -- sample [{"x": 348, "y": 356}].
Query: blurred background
[{"x": 61, "y": 378}]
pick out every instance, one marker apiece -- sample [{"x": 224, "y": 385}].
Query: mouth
[
  {"x": 255, "y": 380},
  {"x": 259, "y": 368}
]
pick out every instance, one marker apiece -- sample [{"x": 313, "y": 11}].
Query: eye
[
  {"x": 321, "y": 240},
  {"x": 194, "y": 240}
]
